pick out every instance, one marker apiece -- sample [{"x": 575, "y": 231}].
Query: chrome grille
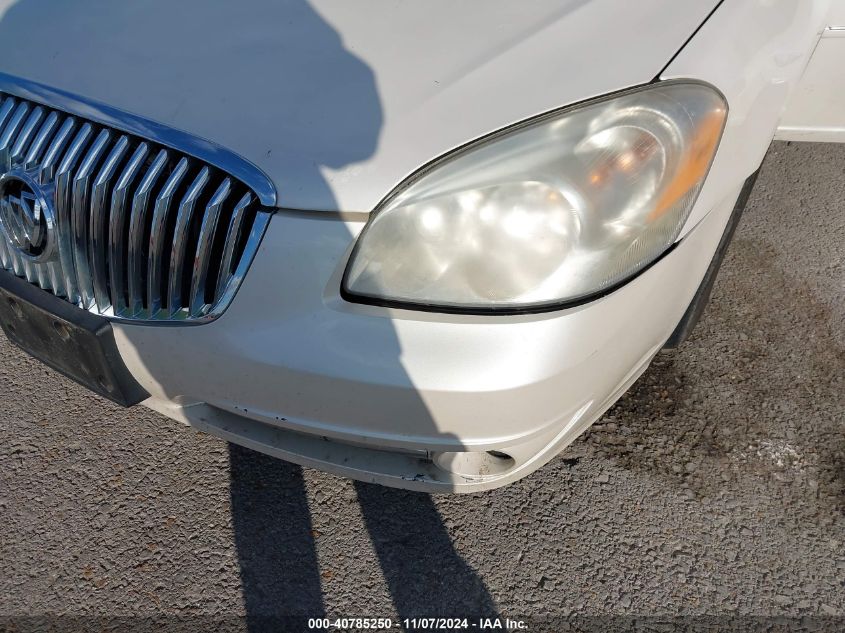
[{"x": 143, "y": 231}]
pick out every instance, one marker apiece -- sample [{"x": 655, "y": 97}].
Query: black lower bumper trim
[
  {"x": 702, "y": 295},
  {"x": 72, "y": 341}
]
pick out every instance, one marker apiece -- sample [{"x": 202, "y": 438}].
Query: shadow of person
[
  {"x": 269, "y": 79},
  {"x": 425, "y": 574},
  {"x": 275, "y": 545}
]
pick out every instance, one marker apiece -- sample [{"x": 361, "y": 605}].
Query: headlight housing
[{"x": 545, "y": 213}]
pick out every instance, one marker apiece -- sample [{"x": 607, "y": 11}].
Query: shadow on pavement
[
  {"x": 425, "y": 574},
  {"x": 278, "y": 563}
]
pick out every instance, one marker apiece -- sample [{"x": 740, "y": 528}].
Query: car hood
[{"x": 338, "y": 101}]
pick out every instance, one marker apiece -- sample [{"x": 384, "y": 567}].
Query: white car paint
[
  {"x": 336, "y": 103},
  {"x": 754, "y": 52},
  {"x": 368, "y": 392}
]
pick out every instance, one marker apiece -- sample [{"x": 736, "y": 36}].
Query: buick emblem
[{"x": 26, "y": 216}]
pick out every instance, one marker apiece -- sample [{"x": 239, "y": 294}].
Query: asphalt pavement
[{"x": 715, "y": 487}]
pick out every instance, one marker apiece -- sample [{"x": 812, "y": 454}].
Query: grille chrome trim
[
  {"x": 199, "y": 278},
  {"x": 161, "y": 212},
  {"x": 117, "y": 228},
  {"x": 80, "y": 211},
  {"x": 62, "y": 202},
  {"x": 26, "y": 132},
  {"x": 233, "y": 237},
  {"x": 98, "y": 232},
  {"x": 137, "y": 221},
  {"x": 40, "y": 139},
  {"x": 9, "y": 133},
  {"x": 180, "y": 237},
  {"x": 147, "y": 230}
]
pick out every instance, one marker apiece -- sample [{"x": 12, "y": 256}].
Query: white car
[{"x": 424, "y": 244}]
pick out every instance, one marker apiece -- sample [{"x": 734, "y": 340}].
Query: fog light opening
[{"x": 487, "y": 464}]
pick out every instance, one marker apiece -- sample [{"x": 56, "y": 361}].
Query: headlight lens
[{"x": 546, "y": 213}]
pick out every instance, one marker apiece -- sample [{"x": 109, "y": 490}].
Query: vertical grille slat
[
  {"x": 10, "y": 127},
  {"x": 15, "y": 261},
  {"x": 6, "y": 110},
  {"x": 139, "y": 229},
  {"x": 8, "y": 135},
  {"x": 244, "y": 259},
  {"x": 5, "y": 258},
  {"x": 64, "y": 175},
  {"x": 99, "y": 226},
  {"x": 118, "y": 224},
  {"x": 12, "y": 261},
  {"x": 176, "y": 301},
  {"x": 137, "y": 232},
  {"x": 46, "y": 168},
  {"x": 199, "y": 278},
  {"x": 21, "y": 143},
  {"x": 6, "y": 253},
  {"x": 233, "y": 239},
  {"x": 80, "y": 212},
  {"x": 18, "y": 145},
  {"x": 54, "y": 151},
  {"x": 40, "y": 140},
  {"x": 158, "y": 234}
]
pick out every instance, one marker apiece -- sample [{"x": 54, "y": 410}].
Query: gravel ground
[{"x": 715, "y": 486}]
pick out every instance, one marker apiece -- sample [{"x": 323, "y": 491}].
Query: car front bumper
[{"x": 402, "y": 398}]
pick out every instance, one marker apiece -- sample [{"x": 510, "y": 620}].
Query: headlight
[{"x": 548, "y": 212}]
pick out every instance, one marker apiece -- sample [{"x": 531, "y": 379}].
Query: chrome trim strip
[
  {"x": 233, "y": 236},
  {"x": 22, "y": 142},
  {"x": 5, "y": 257},
  {"x": 157, "y": 234},
  {"x": 259, "y": 227},
  {"x": 13, "y": 259},
  {"x": 6, "y": 110},
  {"x": 117, "y": 229},
  {"x": 198, "y": 306},
  {"x": 22, "y": 267},
  {"x": 81, "y": 198},
  {"x": 137, "y": 223},
  {"x": 178, "y": 140},
  {"x": 63, "y": 225},
  {"x": 98, "y": 236},
  {"x": 46, "y": 168},
  {"x": 8, "y": 133},
  {"x": 180, "y": 241},
  {"x": 34, "y": 152},
  {"x": 54, "y": 151}
]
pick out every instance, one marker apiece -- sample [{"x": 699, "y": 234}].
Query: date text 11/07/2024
[{"x": 414, "y": 624}]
